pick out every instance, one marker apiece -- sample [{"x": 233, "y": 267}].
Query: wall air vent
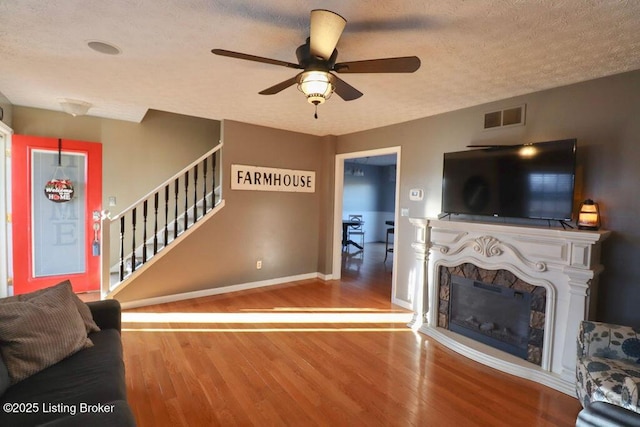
[{"x": 513, "y": 116}]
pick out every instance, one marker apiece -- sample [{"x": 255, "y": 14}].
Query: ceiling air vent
[{"x": 513, "y": 116}]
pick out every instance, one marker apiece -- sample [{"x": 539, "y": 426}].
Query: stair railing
[{"x": 168, "y": 210}]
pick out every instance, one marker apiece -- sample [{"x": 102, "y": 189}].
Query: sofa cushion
[
  {"x": 602, "y": 379},
  {"x": 38, "y": 332},
  {"x": 631, "y": 393},
  {"x": 91, "y": 376}
]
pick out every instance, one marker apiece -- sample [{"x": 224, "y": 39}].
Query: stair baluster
[
  {"x": 145, "y": 209},
  {"x": 121, "y": 248},
  {"x": 175, "y": 220},
  {"x": 133, "y": 239},
  {"x": 186, "y": 200},
  {"x": 204, "y": 187},
  {"x": 213, "y": 180},
  {"x": 195, "y": 194},
  {"x": 166, "y": 215},
  {"x": 155, "y": 223}
]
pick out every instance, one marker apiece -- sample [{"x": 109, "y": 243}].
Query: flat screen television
[{"x": 517, "y": 181}]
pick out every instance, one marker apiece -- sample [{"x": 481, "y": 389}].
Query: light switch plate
[{"x": 404, "y": 212}]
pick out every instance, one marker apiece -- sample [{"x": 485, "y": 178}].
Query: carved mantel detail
[
  {"x": 490, "y": 246},
  {"x": 565, "y": 262}
]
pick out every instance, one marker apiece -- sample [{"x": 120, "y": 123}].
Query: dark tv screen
[{"x": 518, "y": 181}]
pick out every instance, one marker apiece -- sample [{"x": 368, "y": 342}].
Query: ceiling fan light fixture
[{"x": 316, "y": 85}]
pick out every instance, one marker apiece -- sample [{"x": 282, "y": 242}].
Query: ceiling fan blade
[
  {"x": 345, "y": 90},
  {"x": 254, "y": 58},
  {"x": 405, "y": 64},
  {"x": 280, "y": 86},
  {"x": 326, "y": 29}
]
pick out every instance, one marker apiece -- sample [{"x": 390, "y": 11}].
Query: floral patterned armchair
[{"x": 608, "y": 365}]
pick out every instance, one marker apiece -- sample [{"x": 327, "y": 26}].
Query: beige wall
[
  {"x": 284, "y": 230},
  {"x": 602, "y": 114}
]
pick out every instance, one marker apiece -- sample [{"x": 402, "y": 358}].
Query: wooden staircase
[{"x": 148, "y": 229}]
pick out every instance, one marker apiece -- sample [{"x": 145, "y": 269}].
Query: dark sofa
[{"x": 85, "y": 389}]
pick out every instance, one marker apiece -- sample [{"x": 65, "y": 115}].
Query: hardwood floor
[{"x": 316, "y": 353}]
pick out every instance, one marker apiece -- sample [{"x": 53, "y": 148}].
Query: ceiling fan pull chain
[{"x": 315, "y": 115}]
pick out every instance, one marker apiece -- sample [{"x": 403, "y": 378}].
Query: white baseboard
[{"x": 222, "y": 290}]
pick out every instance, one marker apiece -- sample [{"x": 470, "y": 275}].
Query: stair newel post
[
  {"x": 195, "y": 193},
  {"x": 166, "y": 214},
  {"x": 155, "y": 223},
  {"x": 122, "y": 248},
  {"x": 145, "y": 209},
  {"x": 133, "y": 239},
  {"x": 204, "y": 187},
  {"x": 186, "y": 200},
  {"x": 105, "y": 259},
  {"x": 175, "y": 217}
]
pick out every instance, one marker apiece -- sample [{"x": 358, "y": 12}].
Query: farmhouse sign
[{"x": 258, "y": 178}]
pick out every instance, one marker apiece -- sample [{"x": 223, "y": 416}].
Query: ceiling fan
[{"x": 317, "y": 58}]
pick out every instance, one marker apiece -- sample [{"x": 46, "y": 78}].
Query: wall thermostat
[{"x": 416, "y": 194}]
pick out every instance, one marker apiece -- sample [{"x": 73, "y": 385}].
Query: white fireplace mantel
[{"x": 565, "y": 262}]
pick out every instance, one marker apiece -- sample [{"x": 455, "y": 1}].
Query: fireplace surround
[{"x": 562, "y": 264}]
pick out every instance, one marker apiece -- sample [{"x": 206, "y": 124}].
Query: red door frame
[{"x": 22, "y": 147}]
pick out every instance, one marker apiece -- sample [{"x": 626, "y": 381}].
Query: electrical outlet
[{"x": 259, "y": 264}]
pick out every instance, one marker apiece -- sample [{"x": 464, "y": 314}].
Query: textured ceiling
[{"x": 472, "y": 52}]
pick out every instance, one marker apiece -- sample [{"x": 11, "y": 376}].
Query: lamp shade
[
  {"x": 316, "y": 85},
  {"x": 589, "y": 216}
]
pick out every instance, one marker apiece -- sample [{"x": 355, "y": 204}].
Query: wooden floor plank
[{"x": 318, "y": 372}]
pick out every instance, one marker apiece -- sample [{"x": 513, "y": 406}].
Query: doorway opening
[{"x": 359, "y": 180}]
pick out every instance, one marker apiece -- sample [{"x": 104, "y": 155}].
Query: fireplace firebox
[
  {"x": 494, "y": 315},
  {"x": 494, "y": 307}
]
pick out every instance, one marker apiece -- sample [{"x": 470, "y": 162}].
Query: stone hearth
[{"x": 562, "y": 264}]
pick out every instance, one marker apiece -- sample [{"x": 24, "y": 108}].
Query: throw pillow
[
  {"x": 40, "y": 331},
  {"x": 83, "y": 309}
]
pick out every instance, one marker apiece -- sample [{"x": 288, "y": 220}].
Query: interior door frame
[
  {"x": 337, "y": 210},
  {"x": 5, "y": 209}
]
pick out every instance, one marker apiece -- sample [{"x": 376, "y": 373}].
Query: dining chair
[
  {"x": 357, "y": 229},
  {"x": 388, "y": 246}
]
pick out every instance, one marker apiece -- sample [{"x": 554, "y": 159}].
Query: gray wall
[
  {"x": 373, "y": 192},
  {"x": 602, "y": 114},
  {"x": 287, "y": 231}
]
